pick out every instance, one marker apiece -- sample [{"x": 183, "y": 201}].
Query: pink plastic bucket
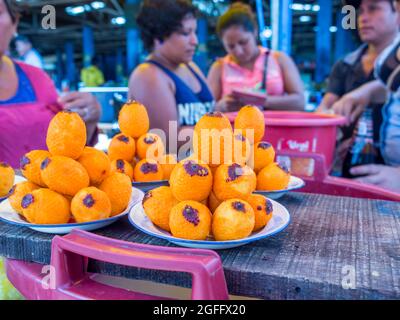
[{"x": 301, "y": 132}]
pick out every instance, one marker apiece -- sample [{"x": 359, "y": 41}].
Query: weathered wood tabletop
[{"x": 334, "y": 248}]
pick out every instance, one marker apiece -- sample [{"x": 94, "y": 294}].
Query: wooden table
[{"x": 334, "y": 248}]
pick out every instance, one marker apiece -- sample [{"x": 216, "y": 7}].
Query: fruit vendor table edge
[{"x": 334, "y": 248}]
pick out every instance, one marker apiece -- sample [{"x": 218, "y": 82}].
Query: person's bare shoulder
[{"x": 148, "y": 76}]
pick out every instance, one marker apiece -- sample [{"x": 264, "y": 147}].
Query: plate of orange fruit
[
  {"x": 43, "y": 201},
  {"x": 279, "y": 220}
]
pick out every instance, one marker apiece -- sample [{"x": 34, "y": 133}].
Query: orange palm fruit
[
  {"x": 190, "y": 220},
  {"x": 233, "y": 219},
  {"x": 118, "y": 188},
  {"x": 133, "y": 119},
  {"x": 7, "y": 176},
  {"x": 64, "y": 175},
  {"x": 250, "y": 120},
  {"x": 234, "y": 181},
  {"x": 263, "y": 210},
  {"x": 30, "y": 165},
  {"x": 90, "y": 204},
  {"x": 44, "y": 206},
  {"x": 157, "y": 213},
  {"x": 241, "y": 148},
  {"x": 122, "y": 166},
  {"x": 168, "y": 163},
  {"x": 96, "y": 163},
  {"x": 122, "y": 147},
  {"x": 66, "y": 135},
  {"x": 150, "y": 146},
  {"x": 273, "y": 177},
  {"x": 263, "y": 155},
  {"x": 213, "y": 138},
  {"x": 18, "y": 192},
  {"x": 148, "y": 170},
  {"x": 191, "y": 180}
]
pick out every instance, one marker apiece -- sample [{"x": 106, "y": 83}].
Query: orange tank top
[{"x": 234, "y": 76}]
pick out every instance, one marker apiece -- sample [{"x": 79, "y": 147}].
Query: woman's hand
[
  {"x": 351, "y": 105},
  {"x": 83, "y": 103},
  {"x": 229, "y": 103},
  {"x": 379, "y": 175}
]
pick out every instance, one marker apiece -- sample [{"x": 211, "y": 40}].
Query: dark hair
[
  {"x": 12, "y": 10},
  {"x": 238, "y": 14},
  {"x": 356, "y": 3},
  {"x": 158, "y": 19}
]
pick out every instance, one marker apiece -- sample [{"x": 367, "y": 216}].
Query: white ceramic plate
[
  {"x": 8, "y": 215},
  {"x": 146, "y": 186},
  {"x": 279, "y": 221},
  {"x": 17, "y": 179},
  {"x": 295, "y": 183}
]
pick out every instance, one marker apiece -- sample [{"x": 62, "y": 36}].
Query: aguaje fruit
[
  {"x": 122, "y": 166},
  {"x": 263, "y": 155},
  {"x": 191, "y": 180},
  {"x": 233, "y": 219},
  {"x": 242, "y": 148},
  {"x": 64, "y": 175},
  {"x": 122, "y": 147},
  {"x": 133, "y": 119},
  {"x": 18, "y": 192},
  {"x": 263, "y": 210},
  {"x": 118, "y": 188},
  {"x": 157, "y": 204},
  {"x": 273, "y": 177},
  {"x": 234, "y": 181},
  {"x": 212, "y": 139},
  {"x": 168, "y": 163},
  {"x": 148, "y": 170},
  {"x": 66, "y": 135},
  {"x": 190, "y": 220},
  {"x": 44, "y": 206},
  {"x": 30, "y": 165},
  {"x": 96, "y": 163},
  {"x": 90, "y": 204},
  {"x": 250, "y": 120},
  {"x": 7, "y": 176},
  {"x": 150, "y": 146}
]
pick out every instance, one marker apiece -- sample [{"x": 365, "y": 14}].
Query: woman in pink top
[
  {"x": 249, "y": 66},
  {"x": 28, "y": 99}
]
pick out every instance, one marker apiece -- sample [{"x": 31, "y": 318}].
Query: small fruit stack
[
  {"x": 136, "y": 152},
  {"x": 211, "y": 192},
  {"x": 70, "y": 182}
]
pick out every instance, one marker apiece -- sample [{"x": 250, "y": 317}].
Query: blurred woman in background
[
  {"x": 169, "y": 83},
  {"x": 28, "y": 99},
  {"x": 249, "y": 66}
]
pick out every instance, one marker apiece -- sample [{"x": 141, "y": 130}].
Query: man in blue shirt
[{"x": 27, "y": 53}]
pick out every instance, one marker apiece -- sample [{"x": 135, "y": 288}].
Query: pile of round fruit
[
  {"x": 70, "y": 182},
  {"x": 214, "y": 195},
  {"x": 136, "y": 152}
]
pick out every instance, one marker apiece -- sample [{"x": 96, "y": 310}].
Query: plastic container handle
[
  {"x": 70, "y": 256},
  {"x": 320, "y": 172}
]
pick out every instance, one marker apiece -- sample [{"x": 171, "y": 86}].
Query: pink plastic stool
[
  {"x": 322, "y": 183},
  {"x": 70, "y": 255}
]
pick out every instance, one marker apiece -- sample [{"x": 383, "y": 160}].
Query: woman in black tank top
[{"x": 169, "y": 84}]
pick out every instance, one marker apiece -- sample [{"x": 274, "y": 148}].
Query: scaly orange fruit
[
  {"x": 7, "y": 176},
  {"x": 118, "y": 188},
  {"x": 148, "y": 170},
  {"x": 273, "y": 177},
  {"x": 18, "y": 192},
  {"x": 66, "y": 135},
  {"x": 263, "y": 155},
  {"x": 122, "y": 147},
  {"x": 133, "y": 119},
  {"x": 30, "y": 165},
  {"x": 263, "y": 210},
  {"x": 96, "y": 163},
  {"x": 190, "y": 220},
  {"x": 64, "y": 175},
  {"x": 250, "y": 120},
  {"x": 122, "y": 166},
  {"x": 150, "y": 146},
  {"x": 90, "y": 204}
]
